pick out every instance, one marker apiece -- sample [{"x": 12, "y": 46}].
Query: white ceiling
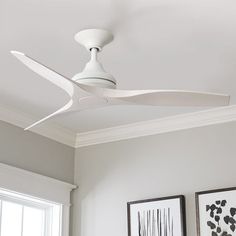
[{"x": 159, "y": 44}]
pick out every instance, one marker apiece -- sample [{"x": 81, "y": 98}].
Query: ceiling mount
[{"x": 94, "y": 38}]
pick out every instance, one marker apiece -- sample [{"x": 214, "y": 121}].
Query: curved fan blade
[
  {"x": 65, "y": 108},
  {"x": 68, "y": 85},
  {"x": 180, "y": 98},
  {"x": 161, "y": 97},
  {"x": 82, "y": 104}
]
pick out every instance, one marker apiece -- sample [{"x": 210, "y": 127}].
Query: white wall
[
  {"x": 35, "y": 153},
  {"x": 181, "y": 162}
]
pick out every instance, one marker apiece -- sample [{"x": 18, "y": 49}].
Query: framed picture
[
  {"x": 157, "y": 217},
  {"x": 216, "y": 212}
]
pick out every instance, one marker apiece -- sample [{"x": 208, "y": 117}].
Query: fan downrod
[{"x": 94, "y": 38}]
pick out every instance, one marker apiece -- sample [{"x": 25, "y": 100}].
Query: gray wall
[
  {"x": 181, "y": 162},
  {"x": 35, "y": 153}
]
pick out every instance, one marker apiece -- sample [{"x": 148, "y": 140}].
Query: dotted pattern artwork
[{"x": 215, "y": 212}]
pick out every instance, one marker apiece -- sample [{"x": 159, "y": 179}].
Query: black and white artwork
[
  {"x": 216, "y": 212},
  {"x": 157, "y": 217}
]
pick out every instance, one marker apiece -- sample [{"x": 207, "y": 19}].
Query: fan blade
[
  {"x": 180, "y": 98},
  {"x": 84, "y": 103},
  {"x": 68, "y": 85},
  {"x": 161, "y": 97},
  {"x": 65, "y": 108}
]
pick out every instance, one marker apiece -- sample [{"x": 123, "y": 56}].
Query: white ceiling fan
[{"x": 102, "y": 85}]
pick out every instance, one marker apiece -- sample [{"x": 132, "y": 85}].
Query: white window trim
[{"x": 39, "y": 186}]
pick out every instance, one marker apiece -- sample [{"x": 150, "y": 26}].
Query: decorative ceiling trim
[
  {"x": 157, "y": 126},
  {"x": 123, "y": 132},
  {"x": 52, "y": 131}
]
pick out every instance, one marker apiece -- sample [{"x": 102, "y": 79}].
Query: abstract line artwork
[
  {"x": 216, "y": 212},
  {"x": 157, "y": 217},
  {"x": 155, "y": 222}
]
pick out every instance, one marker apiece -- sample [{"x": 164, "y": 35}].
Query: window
[
  {"x": 22, "y": 215},
  {"x": 29, "y": 201}
]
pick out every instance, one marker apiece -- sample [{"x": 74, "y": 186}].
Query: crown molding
[
  {"x": 51, "y": 131},
  {"x": 157, "y": 126},
  {"x": 123, "y": 132}
]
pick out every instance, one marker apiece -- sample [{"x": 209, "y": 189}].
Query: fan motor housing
[
  {"x": 103, "y": 81},
  {"x": 94, "y": 74}
]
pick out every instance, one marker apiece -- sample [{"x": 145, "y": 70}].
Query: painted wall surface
[
  {"x": 35, "y": 153},
  {"x": 181, "y": 162}
]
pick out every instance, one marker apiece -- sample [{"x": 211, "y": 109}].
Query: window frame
[
  {"x": 39, "y": 187},
  {"x": 28, "y": 201}
]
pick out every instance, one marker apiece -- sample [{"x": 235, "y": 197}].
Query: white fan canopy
[{"x": 102, "y": 86}]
